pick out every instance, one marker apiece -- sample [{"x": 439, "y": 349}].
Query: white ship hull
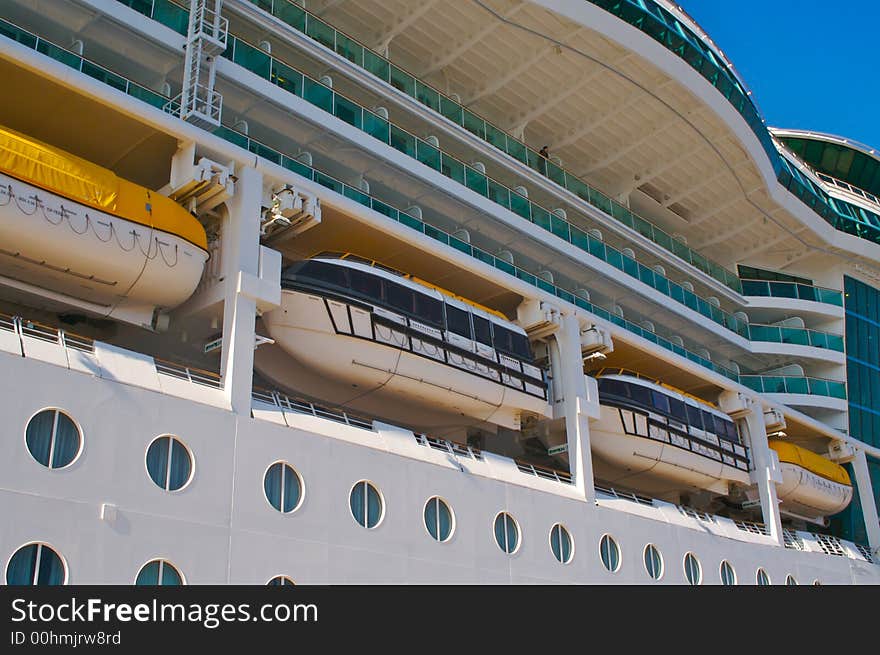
[
  {"x": 105, "y": 264},
  {"x": 341, "y": 342}
]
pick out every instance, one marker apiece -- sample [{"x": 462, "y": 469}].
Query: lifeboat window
[
  {"x": 613, "y": 388},
  {"x": 730, "y": 432},
  {"x": 640, "y": 394},
  {"x": 510, "y": 342},
  {"x": 458, "y": 321},
  {"x": 482, "y": 331},
  {"x": 709, "y": 422},
  {"x": 660, "y": 401},
  {"x": 329, "y": 274},
  {"x": 677, "y": 409},
  {"x": 400, "y": 298},
  {"x": 694, "y": 416},
  {"x": 429, "y": 310},
  {"x": 366, "y": 285}
]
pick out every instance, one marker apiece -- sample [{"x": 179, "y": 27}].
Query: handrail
[{"x": 795, "y": 385}]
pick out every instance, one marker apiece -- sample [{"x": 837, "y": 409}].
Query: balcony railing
[
  {"x": 797, "y": 385},
  {"x": 289, "y": 162},
  {"x": 793, "y": 290}
]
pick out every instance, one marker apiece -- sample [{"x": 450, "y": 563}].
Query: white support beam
[
  {"x": 403, "y": 23},
  {"x": 500, "y": 81},
  {"x": 445, "y": 57}
]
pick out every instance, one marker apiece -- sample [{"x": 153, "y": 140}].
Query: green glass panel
[
  {"x": 596, "y": 248},
  {"x": 357, "y": 196},
  {"x": 403, "y": 141},
  {"x": 428, "y": 154},
  {"x": 297, "y": 167},
  {"x": 452, "y": 168},
  {"x": 403, "y": 81},
  {"x": 613, "y": 257},
  {"x": 150, "y": 97},
  {"x": 517, "y": 150},
  {"x": 642, "y": 226},
  {"x": 388, "y": 210},
  {"x": 377, "y": 127},
  {"x": 499, "y": 193},
  {"x": 601, "y": 201},
  {"x": 460, "y": 245},
  {"x": 377, "y": 65},
  {"x": 496, "y": 137},
  {"x": 427, "y": 96},
  {"x": 65, "y": 57},
  {"x": 520, "y": 205},
  {"x": 290, "y": 13},
  {"x": 268, "y": 153},
  {"x": 630, "y": 266},
  {"x": 171, "y": 15},
  {"x": 451, "y": 110},
  {"x": 254, "y": 59},
  {"x": 346, "y": 110},
  {"x": 105, "y": 76},
  {"x": 541, "y": 217},
  {"x": 556, "y": 173},
  {"x": 476, "y": 181},
  {"x": 318, "y": 94},
  {"x": 232, "y": 136},
  {"x": 559, "y": 227},
  {"x": 329, "y": 182},
  {"x": 16, "y": 34},
  {"x": 287, "y": 78},
  {"x": 320, "y": 31},
  {"x": 474, "y": 124}
]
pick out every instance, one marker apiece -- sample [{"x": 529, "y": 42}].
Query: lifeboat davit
[
  {"x": 385, "y": 334},
  {"x": 812, "y": 486},
  {"x": 656, "y": 437},
  {"x": 75, "y": 233}
]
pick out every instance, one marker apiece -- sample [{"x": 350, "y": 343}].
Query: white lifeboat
[
  {"x": 650, "y": 433},
  {"x": 385, "y": 334},
  {"x": 812, "y": 486},
  {"x": 75, "y": 233}
]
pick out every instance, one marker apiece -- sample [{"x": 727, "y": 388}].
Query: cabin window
[
  {"x": 439, "y": 519},
  {"x": 366, "y": 285},
  {"x": 506, "y": 533},
  {"x": 762, "y": 578},
  {"x": 653, "y": 561},
  {"x": 694, "y": 416},
  {"x": 429, "y": 310},
  {"x": 283, "y": 487},
  {"x": 281, "y": 581},
  {"x": 36, "y": 564},
  {"x": 561, "y": 544},
  {"x": 660, "y": 401},
  {"x": 609, "y": 552},
  {"x": 53, "y": 439},
  {"x": 159, "y": 572},
  {"x": 482, "y": 331},
  {"x": 366, "y": 504},
  {"x": 677, "y": 409},
  {"x": 791, "y": 581},
  {"x": 169, "y": 463},
  {"x": 728, "y": 575},
  {"x": 458, "y": 321},
  {"x": 692, "y": 569},
  {"x": 400, "y": 298}
]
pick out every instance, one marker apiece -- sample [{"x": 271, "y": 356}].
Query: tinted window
[
  {"x": 366, "y": 285},
  {"x": 729, "y": 431},
  {"x": 458, "y": 321},
  {"x": 400, "y": 298},
  {"x": 660, "y": 401},
  {"x": 613, "y": 387},
  {"x": 521, "y": 345},
  {"x": 508, "y": 341},
  {"x": 640, "y": 394},
  {"x": 328, "y": 274},
  {"x": 676, "y": 408},
  {"x": 429, "y": 310},
  {"x": 708, "y": 421},
  {"x": 482, "y": 331},
  {"x": 695, "y": 416}
]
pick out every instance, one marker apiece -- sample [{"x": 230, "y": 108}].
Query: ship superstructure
[{"x": 420, "y": 291}]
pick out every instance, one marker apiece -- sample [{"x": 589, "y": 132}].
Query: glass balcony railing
[
  {"x": 324, "y": 33},
  {"x": 793, "y": 290},
  {"x": 796, "y": 336},
  {"x": 157, "y": 100},
  {"x": 788, "y": 384}
]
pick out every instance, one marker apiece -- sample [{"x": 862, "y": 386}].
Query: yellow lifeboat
[
  {"x": 812, "y": 486},
  {"x": 75, "y": 233}
]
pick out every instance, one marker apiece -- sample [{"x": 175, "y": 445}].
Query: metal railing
[
  {"x": 48, "y": 333},
  {"x": 542, "y": 472},
  {"x": 299, "y": 406},
  {"x": 794, "y": 290},
  {"x": 796, "y": 385},
  {"x": 451, "y": 447},
  {"x": 849, "y": 188},
  {"x": 611, "y": 492},
  {"x": 189, "y": 373}
]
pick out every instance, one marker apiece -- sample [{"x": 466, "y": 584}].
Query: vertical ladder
[{"x": 198, "y": 103}]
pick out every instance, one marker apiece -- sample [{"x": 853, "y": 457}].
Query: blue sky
[{"x": 810, "y": 64}]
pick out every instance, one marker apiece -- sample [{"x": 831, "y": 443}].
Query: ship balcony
[
  {"x": 771, "y": 298},
  {"x": 805, "y": 392}
]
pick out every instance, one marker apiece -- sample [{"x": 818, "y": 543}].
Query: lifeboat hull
[
  {"x": 804, "y": 493},
  {"x": 661, "y": 457},
  {"x": 343, "y": 342},
  {"x": 60, "y": 249}
]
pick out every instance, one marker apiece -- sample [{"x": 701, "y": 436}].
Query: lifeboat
[
  {"x": 655, "y": 437},
  {"x": 812, "y": 486},
  {"x": 390, "y": 336},
  {"x": 75, "y": 233}
]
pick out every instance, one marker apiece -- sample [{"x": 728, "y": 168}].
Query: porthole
[
  {"x": 169, "y": 463},
  {"x": 283, "y": 487},
  {"x": 281, "y": 581},
  {"x": 439, "y": 519},
  {"x": 506, "y": 533},
  {"x": 561, "y": 543},
  {"x": 36, "y": 564},
  {"x": 159, "y": 573},
  {"x": 53, "y": 439},
  {"x": 728, "y": 574},
  {"x": 791, "y": 581},
  {"x": 653, "y": 562},
  {"x": 762, "y": 578},
  {"x": 609, "y": 551},
  {"x": 366, "y": 504},
  {"x": 692, "y": 569}
]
